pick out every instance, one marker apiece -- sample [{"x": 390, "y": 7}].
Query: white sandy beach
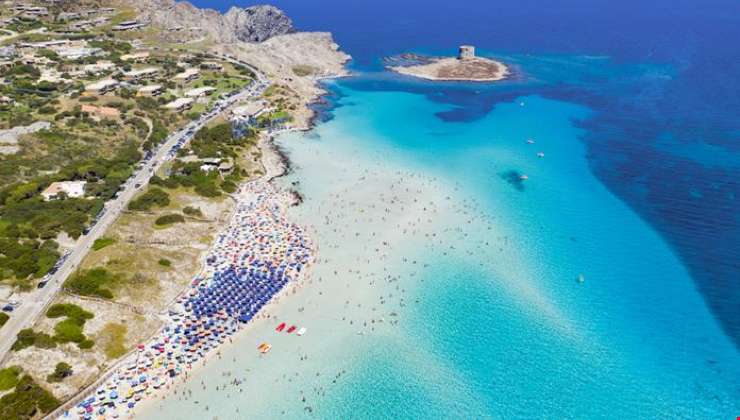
[{"x": 360, "y": 289}]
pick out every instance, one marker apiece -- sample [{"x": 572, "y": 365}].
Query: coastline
[
  {"x": 276, "y": 165},
  {"x": 398, "y": 235}
]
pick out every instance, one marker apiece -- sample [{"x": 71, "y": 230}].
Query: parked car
[
  {"x": 8, "y": 308},
  {"x": 41, "y": 284}
]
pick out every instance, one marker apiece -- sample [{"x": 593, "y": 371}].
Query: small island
[{"x": 465, "y": 67}]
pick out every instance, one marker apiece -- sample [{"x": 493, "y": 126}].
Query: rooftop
[
  {"x": 179, "y": 103},
  {"x": 192, "y": 93}
]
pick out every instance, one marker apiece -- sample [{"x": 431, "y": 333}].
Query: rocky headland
[
  {"x": 261, "y": 35},
  {"x": 239, "y": 24}
]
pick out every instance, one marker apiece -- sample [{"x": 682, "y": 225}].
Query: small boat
[
  {"x": 530, "y": 141},
  {"x": 523, "y": 177},
  {"x": 291, "y": 329},
  {"x": 541, "y": 154},
  {"x": 280, "y": 327},
  {"x": 581, "y": 278},
  {"x": 301, "y": 331}
]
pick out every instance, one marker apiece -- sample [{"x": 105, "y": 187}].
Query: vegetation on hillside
[
  {"x": 168, "y": 219},
  {"x": 96, "y": 282},
  {"x": 153, "y": 197},
  {"x": 61, "y": 371},
  {"x": 101, "y": 243},
  {"x": 26, "y": 401}
]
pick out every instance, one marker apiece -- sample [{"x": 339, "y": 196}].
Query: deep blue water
[{"x": 665, "y": 134}]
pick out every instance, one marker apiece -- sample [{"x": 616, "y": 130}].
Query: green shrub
[
  {"x": 47, "y": 110},
  {"x": 229, "y": 186},
  {"x": 27, "y": 401},
  {"x": 164, "y": 262},
  {"x": 44, "y": 341},
  {"x": 24, "y": 338},
  {"x": 94, "y": 282},
  {"x": 28, "y": 337},
  {"x": 69, "y": 310},
  {"x": 101, "y": 243},
  {"x": 9, "y": 377},
  {"x": 61, "y": 371},
  {"x": 68, "y": 331},
  {"x": 86, "y": 344},
  {"x": 192, "y": 211},
  {"x": 169, "y": 219},
  {"x": 3, "y": 318},
  {"x": 207, "y": 189},
  {"x": 153, "y": 197}
]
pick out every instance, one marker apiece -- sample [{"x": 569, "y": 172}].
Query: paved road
[{"x": 33, "y": 303}]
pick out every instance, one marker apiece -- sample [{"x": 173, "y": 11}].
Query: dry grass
[{"x": 112, "y": 339}]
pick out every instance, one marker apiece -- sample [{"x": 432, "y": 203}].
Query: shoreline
[
  {"x": 276, "y": 165},
  {"x": 184, "y": 370}
]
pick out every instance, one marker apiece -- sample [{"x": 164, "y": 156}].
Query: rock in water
[{"x": 257, "y": 23}]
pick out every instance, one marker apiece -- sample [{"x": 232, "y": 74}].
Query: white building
[
  {"x": 180, "y": 104},
  {"x": 188, "y": 75},
  {"x": 150, "y": 90},
  {"x": 141, "y": 74},
  {"x": 102, "y": 86},
  {"x": 201, "y": 91},
  {"x": 245, "y": 116},
  {"x": 72, "y": 189},
  {"x": 98, "y": 67},
  {"x": 129, "y": 25}
]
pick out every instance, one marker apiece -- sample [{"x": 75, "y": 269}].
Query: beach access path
[{"x": 35, "y": 302}]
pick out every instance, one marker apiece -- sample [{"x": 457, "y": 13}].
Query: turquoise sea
[
  {"x": 523, "y": 337},
  {"x": 602, "y": 286}
]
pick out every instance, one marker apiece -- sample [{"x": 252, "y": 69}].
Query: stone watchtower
[{"x": 466, "y": 52}]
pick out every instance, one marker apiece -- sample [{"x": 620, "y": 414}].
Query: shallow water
[{"x": 447, "y": 287}]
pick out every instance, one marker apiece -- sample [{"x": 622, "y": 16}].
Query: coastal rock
[
  {"x": 185, "y": 22},
  {"x": 257, "y": 23}
]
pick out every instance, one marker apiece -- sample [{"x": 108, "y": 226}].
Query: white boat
[
  {"x": 581, "y": 278},
  {"x": 541, "y": 154},
  {"x": 301, "y": 331}
]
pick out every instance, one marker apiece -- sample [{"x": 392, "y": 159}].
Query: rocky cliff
[
  {"x": 257, "y": 23},
  {"x": 184, "y": 21}
]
